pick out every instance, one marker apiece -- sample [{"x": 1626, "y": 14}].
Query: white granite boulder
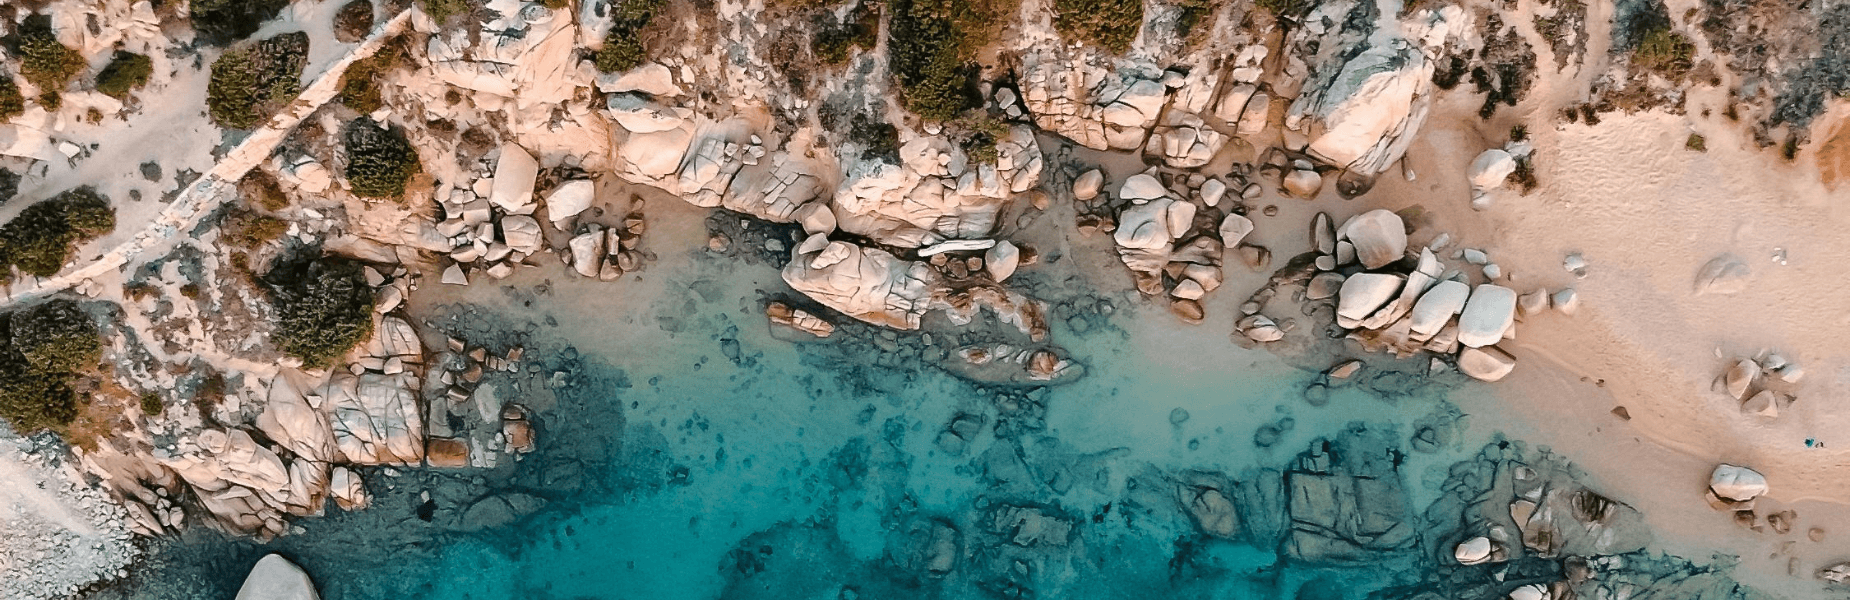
[
  {"x": 1142, "y": 186},
  {"x": 865, "y": 283},
  {"x": 1087, "y": 185},
  {"x": 1488, "y": 363},
  {"x": 1362, "y": 293},
  {"x": 1001, "y": 260},
  {"x": 569, "y": 199},
  {"x": 1737, "y": 484},
  {"x": 1489, "y": 312},
  {"x": 515, "y": 172},
  {"x": 1437, "y": 306},
  {"x": 275, "y": 578},
  {"x": 1234, "y": 229},
  {"x": 1145, "y": 226},
  {"x": 1379, "y": 236}
]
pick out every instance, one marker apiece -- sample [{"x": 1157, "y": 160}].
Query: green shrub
[
  {"x": 1665, "y": 52},
  {"x": 978, "y": 136},
  {"x": 931, "y": 45},
  {"x": 221, "y": 22},
  {"x": 1108, "y": 24},
  {"x": 261, "y": 189},
  {"x": 151, "y": 404},
  {"x": 56, "y": 337},
  {"x": 44, "y": 235},
  {"x": 1696, "y": 142},
  {"x": 622, "y": 48},
  {"x": 12, "y": 102},
  {"x": 359, "y": 85},
  {"x": 379, "y": 160},
  {"x": 249, "y": 230},
  {"x": 43, "y": 61},
  {"x": 441, "y": 10},
  {"x": 9, "y": 184},
  {"x": 323, "y": 308},
  {"x": 127, "y": 71},
  {"x": 250, "y": 84},
  {"x": 354, "y": 21},
  {"x": 1286, "y": 9},
  {"x": 835, "y": 42},
  {"x": 41, "y": 349}
]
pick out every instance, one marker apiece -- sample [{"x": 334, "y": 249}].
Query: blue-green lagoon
[{"x": 688, "y": 450}]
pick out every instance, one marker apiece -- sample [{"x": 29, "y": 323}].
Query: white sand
[{"x": 1647, "y": 214}]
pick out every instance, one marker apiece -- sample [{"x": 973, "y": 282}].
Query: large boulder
[
  {"x": 1489, "y": 170},
  {"x": 1362, "y": 293},
  {"x": 1379, "y": 236},
  {"x": 515, "y": 172},
  {"x": 1437, "y": 306},
  {"x": 1142, "y": 186},
  {"x": 375, "y": 418},
  {"x": 1371, "y": 110},
  {"x": 1489, "y": 312},
  {"x": 1738, "y": 484},
  {"x": 1146, "y": 226},
  {"x": 275, "y": 578},
  {"x": 569, "y": 199},
  {"x": 865, "y": 283},
  {"x": 1488, "y": 363}
]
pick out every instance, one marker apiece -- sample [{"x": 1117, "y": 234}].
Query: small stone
[{"x": 1346, "y": 369}]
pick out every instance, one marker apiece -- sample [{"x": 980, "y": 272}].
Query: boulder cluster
[
  {"x": 1763, "y": 385},
  {"x": 1396, "y": 301}
]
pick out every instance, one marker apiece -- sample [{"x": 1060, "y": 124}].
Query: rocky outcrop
[
  {"x": 275, "y": 578},
  {"x": 865, "y": 283},
  {"x": 1370, "y": 110},
  {"x": 1347, "y": 503}
]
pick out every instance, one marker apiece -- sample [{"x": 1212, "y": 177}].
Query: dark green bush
[
  {"x": 261, "y": 189},
  {"x": 12, "y": 103},
  {"x": 978, "y": 136},
  {"x": 1696, "y": 142},
  {"x": 1665, "y": 52},
  {"x": 1108, "y": 24},
  {"x": 359, "y": 85},
  {"x": 249, "y": 230},
  {"x": 441, "y": 10},
  {"x": 151, "y": 404},
  {"x": 323, "y": 308},
  {"x": 9, "y": 184},
  {"x": 221, "y": 22},
  {"x": 250, "y": 84},
  {"x": 41, "y": 349},
  {"x": 55, "y": 337},
  {"x": 127, "y": 71},
  {"x": 43, "y": 61},
  {"x": 931, "y": 47},
  {"x": 44, "y": 235},
  {"x": 834, "y": 42},
  {"x": 354, "y": 21},
  {"x": 622, "y": 48},
  {"x": 379, "y": 160}
]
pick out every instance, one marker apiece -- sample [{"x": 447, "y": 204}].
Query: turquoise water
[{"x": 687, "y": 452}]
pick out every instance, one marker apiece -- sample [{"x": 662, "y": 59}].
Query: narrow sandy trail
[{"x": 203, "y": 196}]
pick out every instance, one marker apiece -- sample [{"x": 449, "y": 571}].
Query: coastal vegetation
[
  {"x": 1108, "y": 24},
  {"x": 250, "y": 84},
  {"x": 44, "y": 235},
  {"x": 42, "y": 349},
  {"x": 323, "y": 308},
  {"x": 379, "y": 160}
]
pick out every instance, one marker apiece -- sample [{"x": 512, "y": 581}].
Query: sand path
[{"x": 204, "y": 195}]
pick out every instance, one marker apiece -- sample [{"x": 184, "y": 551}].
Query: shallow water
[{"x": 689, "y": 453}]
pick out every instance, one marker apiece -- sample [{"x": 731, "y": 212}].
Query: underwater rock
[
  {"x": 1203, "y": 496},
  {"x": 926, "y": 547},
  {"x": 1347, "y": 505}
]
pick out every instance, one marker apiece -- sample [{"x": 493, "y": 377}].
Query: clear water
[{"x": 695, "y": 456}]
